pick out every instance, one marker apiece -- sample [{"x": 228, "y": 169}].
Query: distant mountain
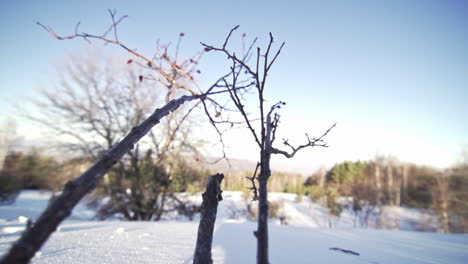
[
  {"x": 223, "y": 165},
  {"x": 242, "y": 165}
]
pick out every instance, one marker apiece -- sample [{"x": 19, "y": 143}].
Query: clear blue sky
[{"x": 393, "y": 74}]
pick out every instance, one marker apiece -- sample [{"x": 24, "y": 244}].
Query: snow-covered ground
[{"x": 306, "y": 238}]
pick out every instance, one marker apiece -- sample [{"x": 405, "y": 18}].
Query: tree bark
[
  {"x": 265, "y": 172},
  {"x": 209, "y": 207},
  {"x": 262, "y": 230},
  {"x": 33, "y": 238}
]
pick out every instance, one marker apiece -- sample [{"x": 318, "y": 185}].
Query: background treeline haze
[{"x": 383, "y": 181}]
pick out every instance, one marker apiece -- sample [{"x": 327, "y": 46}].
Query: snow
[
  {"x": 306, "y": 238},
  {"x": 30, "y": 203},
  {"x": 312, "y": 245}
]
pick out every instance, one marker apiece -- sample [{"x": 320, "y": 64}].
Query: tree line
[
  {"x": 384, "y": 181},
  {"x": 371, "y": 185}
]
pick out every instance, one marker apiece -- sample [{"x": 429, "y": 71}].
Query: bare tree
[
  {"x": 441, "y": 199},
  {"x": 7, "y": 137},
  {"x": 9, "y": 183},
  {"x": 35, "y": 236},
  {"x": 262, "y": 128},
  {"x": 95, "y": 102}
]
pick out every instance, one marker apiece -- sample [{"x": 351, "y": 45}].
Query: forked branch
[
  {"x": 311, "y": 142},
  {"x": 113, "y": 27}
]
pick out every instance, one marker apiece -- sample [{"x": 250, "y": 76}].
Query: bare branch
[
  {"x": 173, "y": 132},
  {"x": 76, "y": 27},
  {"x": 229, "y": 35},
  {"x": 220, "y": 133},
  {"x": 240, "y": 107},
  {"x": 275, "y": 126},
  {"x": 87, "y": 36},
  {"x": 274, "y": 58},
  {"x": 312, "y": 142},
  {"x": 252, "y": 180},
  {"x": 232, "y": 56},
  {"x": 114, "y": 24}
]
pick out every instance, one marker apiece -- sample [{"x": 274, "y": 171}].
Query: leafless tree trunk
[
  {"x": 398, "y": 190},
  {"x": 322, "y": 177},
  {"x": 390, "y": 180},
  {"x": 211, "y": 198},
  {"x": 442, "y": 199},
  {"x": 32, "y": 239},
  {"x": 262, "y": 229},
  {"x": 404, "y": 184},
  {"x": 378, "y": 184}
]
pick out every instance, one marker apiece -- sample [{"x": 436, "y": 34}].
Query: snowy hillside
[{"x": 306, "y": 238}]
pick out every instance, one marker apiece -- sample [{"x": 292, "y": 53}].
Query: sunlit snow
[{"x": 307, "y": 238}]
